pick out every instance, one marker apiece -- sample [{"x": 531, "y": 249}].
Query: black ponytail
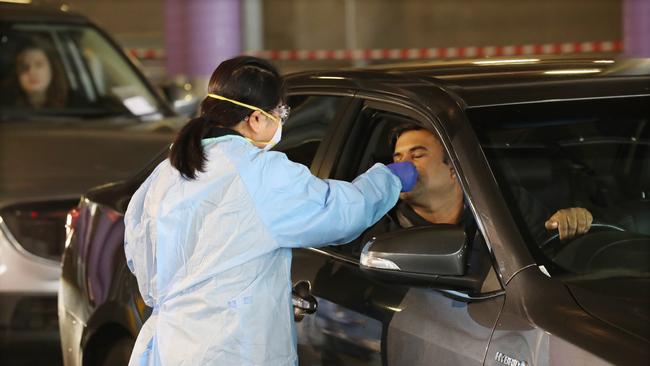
[
  {"x": 247, "y": 79},
  {"x": 187, "y": 153}
]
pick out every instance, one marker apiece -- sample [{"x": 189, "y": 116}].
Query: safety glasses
[{"x": 283, "y": 112}]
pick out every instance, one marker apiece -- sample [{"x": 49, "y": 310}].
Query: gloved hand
[{"x": 406, "y": 173}]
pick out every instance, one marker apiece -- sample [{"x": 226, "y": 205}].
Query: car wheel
[{"x": 119, "y": 353}]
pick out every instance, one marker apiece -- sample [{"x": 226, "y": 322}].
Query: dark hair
[
  {"x": 399, "y": 130},
  {"x": 57, "y": 90},
  {"x": 246, "y": 79}
]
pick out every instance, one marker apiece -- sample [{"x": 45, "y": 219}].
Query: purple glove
[{"x": 406, "y": 173}]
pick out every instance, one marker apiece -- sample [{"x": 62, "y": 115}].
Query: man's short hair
[{"x": 402, "y": 128}]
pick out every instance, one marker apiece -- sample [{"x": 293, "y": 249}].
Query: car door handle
[
  {"x": 302, "y": 300},
  {"x": 308, "y": 306}
]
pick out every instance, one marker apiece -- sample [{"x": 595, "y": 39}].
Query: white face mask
[{"x": 277, "y": 136}]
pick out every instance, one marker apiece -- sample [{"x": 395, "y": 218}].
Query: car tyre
[{"x": 119, "y": 353}]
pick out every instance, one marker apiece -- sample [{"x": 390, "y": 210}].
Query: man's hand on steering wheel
[{"x": 570, "y": 222}]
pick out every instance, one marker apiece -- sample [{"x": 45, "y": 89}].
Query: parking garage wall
[
  {"x": 305, "y": 24},
  {"x": 322, "y": 24}
]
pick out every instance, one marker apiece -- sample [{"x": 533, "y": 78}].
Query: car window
[
  {"x": 69, "y": 70},
  {"x": 311, "y": 117},
  {"x": 589, "y": 154},
  {"x": 372, "y": 141}
]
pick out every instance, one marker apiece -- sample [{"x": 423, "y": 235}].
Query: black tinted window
[{"x": 590, "y": 154}]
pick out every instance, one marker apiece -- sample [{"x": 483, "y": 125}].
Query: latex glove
[
  {"x": 570, "y": 222},
  {"x": 406, "y": 173}
]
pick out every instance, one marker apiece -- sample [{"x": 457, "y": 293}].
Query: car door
[{"x": 362, "y": 320}]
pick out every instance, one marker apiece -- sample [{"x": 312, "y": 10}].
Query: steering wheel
[{"x": 595, "y": 227}]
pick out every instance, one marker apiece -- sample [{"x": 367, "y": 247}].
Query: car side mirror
[
  {"x": 427, "y": 255},
  {"x": 183, "y": 101}
]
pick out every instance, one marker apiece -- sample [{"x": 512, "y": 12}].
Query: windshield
[
  {"x": 589, "y": 154},
  {"x": 71, "y": 71}
]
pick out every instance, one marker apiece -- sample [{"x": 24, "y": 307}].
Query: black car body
[
  {"x": 50, "y": 156},
  {"x": 570, "y": 132}
]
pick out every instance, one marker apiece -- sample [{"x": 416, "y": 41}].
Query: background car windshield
[
  {"x": 590, "y": 154},
  {"x": 68, "y": 71}
]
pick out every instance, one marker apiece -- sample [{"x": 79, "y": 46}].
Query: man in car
[{"x": 437, "y": 198}]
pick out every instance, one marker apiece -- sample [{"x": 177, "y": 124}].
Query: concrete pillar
[
  {"x": 199, "y": 34},
  {"x": 175, "y": 15},
  {"x": 253, "y": 37},
  {"x": 351, "y": 38},
  {"x": 636, "y": 27}
]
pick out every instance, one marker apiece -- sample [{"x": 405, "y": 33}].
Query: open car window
[
  {"x": 370, "y": 142},
  {"x": 589, "y": 154}
]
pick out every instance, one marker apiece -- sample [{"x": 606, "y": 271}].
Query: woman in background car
[
  {"x": 209, "y": 233},
  {"x": 40, "y": 78}
]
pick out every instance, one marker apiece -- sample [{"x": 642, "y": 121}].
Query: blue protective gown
[{"x": 212, "y": 256}]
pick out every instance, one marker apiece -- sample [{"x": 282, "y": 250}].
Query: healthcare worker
[{"x": 209, "y": 233}]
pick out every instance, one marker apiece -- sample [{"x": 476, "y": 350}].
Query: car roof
[
  {"x": 490, "y": 82},
  {"x": 38, "y": 13}
]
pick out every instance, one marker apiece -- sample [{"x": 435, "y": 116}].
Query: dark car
[
  {"x": 571, "y": 133},
  {"x": 101, "y": 121}
]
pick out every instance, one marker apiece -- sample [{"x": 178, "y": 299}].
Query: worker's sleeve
[{"x": 301, "y": 210}]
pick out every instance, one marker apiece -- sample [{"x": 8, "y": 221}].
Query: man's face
[{"x": 423, "y": 149}]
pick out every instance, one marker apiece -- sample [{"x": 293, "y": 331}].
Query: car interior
[
  {"x": 99, "y": 80},
  {"x": 63, "y": 57},
  {"x": 582, "y": 154}
]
